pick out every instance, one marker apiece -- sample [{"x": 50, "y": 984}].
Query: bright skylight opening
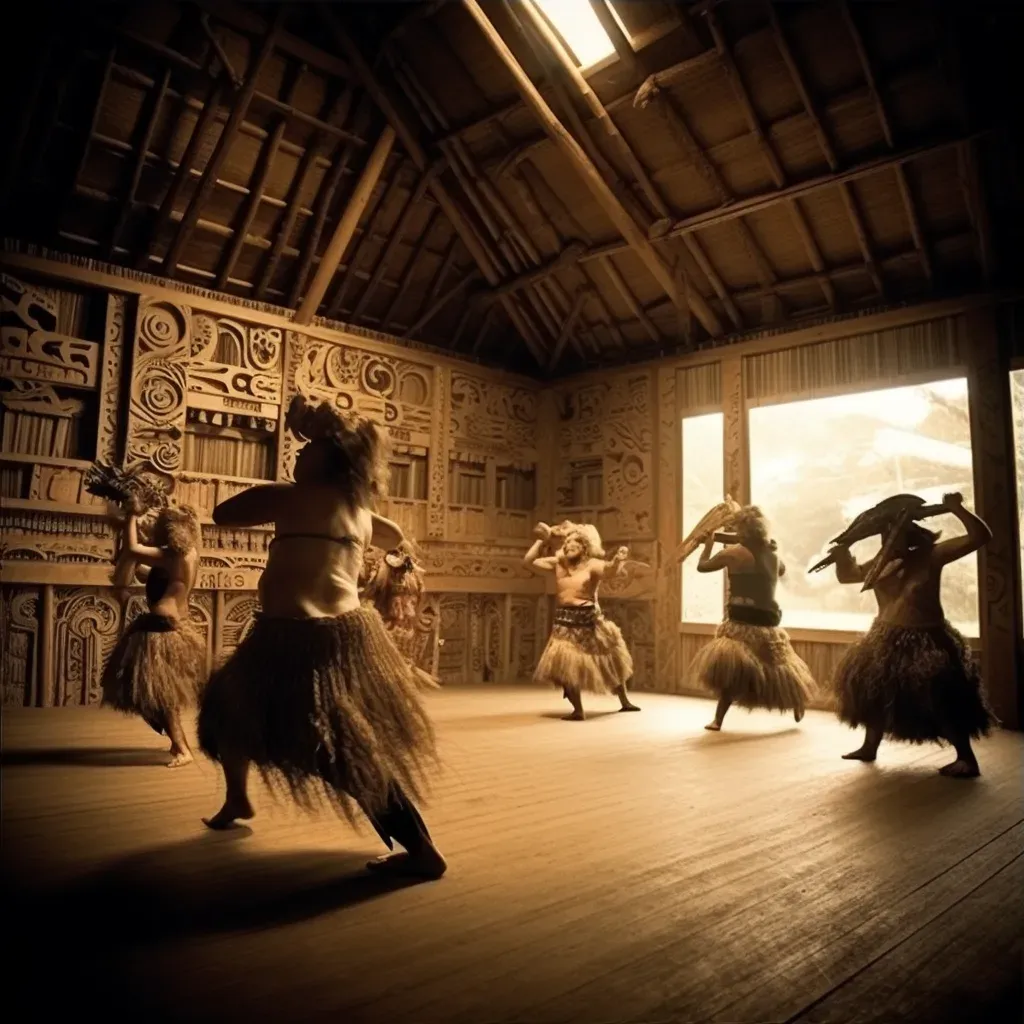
[{"x": 581, "y": 29}]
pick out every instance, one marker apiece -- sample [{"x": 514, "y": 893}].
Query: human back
[{"x": 315, "y": 557}]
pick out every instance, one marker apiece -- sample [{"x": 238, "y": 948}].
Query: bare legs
[
  {"x": 236, "y": 798},
  {"x": 868, "y": 750},
  {"x": 724, "y": 703},
  {"x": 572, "y": 695},
  {"x": 966, "y": 764},
  {"x": 181, "y": 753},
  {"x": 627, "y": 704}
]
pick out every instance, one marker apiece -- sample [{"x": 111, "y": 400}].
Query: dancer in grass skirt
[
  {"x": 750, "y": 661},
  {"x": 317, "y": 696},
  {"x": 912, "y": 676},
  {"x": 586, "y": 651}
]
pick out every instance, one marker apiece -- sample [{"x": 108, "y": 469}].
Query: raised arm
[
  {"x": 386, "y": 534},
  {"x": 615, "y": 566},
  {"x": 533, "y": 559},
  {"x": 978, "y": 533},
  {"x": 848, "y": 570},
  {"x": 712, "y": 563},
  {"x": 132, "y": 549},
  {"x": 254, "y": 506}
]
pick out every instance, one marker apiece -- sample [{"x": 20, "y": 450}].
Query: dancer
[
  {"x": 159, "y": 665},
  {"x": 317, "y": 696},
  {"x": 912, "y": 675},
  {"x": 585, "y": 650},
  {"x": 750, "y": 661},
  {"x": 393, "y": 584}
]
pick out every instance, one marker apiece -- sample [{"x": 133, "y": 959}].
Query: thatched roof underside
[{"x": 765, "y": 163}]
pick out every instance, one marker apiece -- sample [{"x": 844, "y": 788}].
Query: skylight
[{"x": 581, "y": 29}]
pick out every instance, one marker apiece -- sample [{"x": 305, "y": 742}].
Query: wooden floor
[{"x": 632, "y": 868}]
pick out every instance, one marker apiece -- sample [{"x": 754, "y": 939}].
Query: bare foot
[
  {"x": 183, "y": 757},
  {"x": 428, "y": 864},
  {"x": 861, "y": 754},
  {"x": 576, "y": 716},
  {"x": 714, "y": 726},
  {"x": 229, "y": 814},
  {"x": 798, "y": 715},
  {"x": 629, "y": 707},
  {"x": 961, "y": 769}
]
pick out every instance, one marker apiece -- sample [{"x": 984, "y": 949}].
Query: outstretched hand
[{"x": 953, "y": 500}]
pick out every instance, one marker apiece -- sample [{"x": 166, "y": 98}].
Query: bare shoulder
[{"x": 737, "y": 556}]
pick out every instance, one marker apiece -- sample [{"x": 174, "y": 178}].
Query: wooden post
[
  {"x": 590, "y": 175},
  {"x": 988, "y": 375},
  {"x": 737, "y": 454},
  {"x": 346, "y": 227},
  {"x": 47, "y": 680}
]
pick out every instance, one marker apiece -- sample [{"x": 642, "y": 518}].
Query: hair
[
  {"x": 916, "y": 535},
  {"x": 177, "y": 529},
  {"x": 749, "y": 524},
  {"x": 585, "y": 534},
  {"x": 395, "y": 575},
  {"x": 357, "y": 450}
]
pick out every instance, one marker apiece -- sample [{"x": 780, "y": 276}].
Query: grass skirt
[
  {"x": 323, "y": 707},
  {"x": 755, "y": 666},
  {"x": 584, "y": 652},
  {"x": 913, "y": 684},
  {"x": 158, "y": 665}
]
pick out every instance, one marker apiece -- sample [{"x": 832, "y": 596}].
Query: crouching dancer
[
  {"x": 317, "y": 696},
  {"x": 585, "y": 651}
]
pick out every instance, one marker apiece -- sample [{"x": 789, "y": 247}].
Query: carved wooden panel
[
  {"x": 636, "y": 620},
  {"x": 453, "y": 662},
  {"x": 737, "y": 455},
  {"x": 86, "y": 627},
  {"x": 157, "y": 408},
  {"x": 667, "y": 580},
  {"x": 114, "y": 343},
  {"x": 437, "y": 496},
  {"x": 612, "y": 422},
  {"x": 19, "y": 646},
  {"x": 523, "y": 638},
  {"x": 37, "y": 342}
]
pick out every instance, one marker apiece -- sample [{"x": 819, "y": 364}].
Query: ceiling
[{"x": 730, "y": 167}]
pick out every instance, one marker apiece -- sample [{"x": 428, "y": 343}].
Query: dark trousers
[{"x": 400, "y": 822}]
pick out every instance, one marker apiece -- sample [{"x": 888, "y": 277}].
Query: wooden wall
[
  {"x": 131, "y": 368},
  {"x": 631, "y": 419},
  {"x": 127, "y": 367}
]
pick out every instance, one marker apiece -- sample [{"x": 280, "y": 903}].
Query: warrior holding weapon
[
  {"x": 750, "y": 661},
  {"x": 912, "y": 676},
  {"x": 585, "y": 650},
  {"x": 159, "y": 665}
]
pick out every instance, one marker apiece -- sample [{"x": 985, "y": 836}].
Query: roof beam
[
  {"x": 637, "y": 240},
  {"x": 419, "y": 157},
  {"x": 346, "y": 226},
  {"x": 227, "y": 137},
  {"x": 440, "y": 302},
  {"x": 976, "y": 208},
  {"x": 566, "y": 330}
]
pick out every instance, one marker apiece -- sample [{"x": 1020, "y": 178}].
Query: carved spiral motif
[
  {"x": 378, "y": 377},
  {"x": 632, "y": 470},
  {"x": 162, "y": 326},
  {"x": 163, "y": 391},
  {"x": 204, "y": 336},
  {"x": 264, "y": 347},
  {"x": 390, "y": 412}
]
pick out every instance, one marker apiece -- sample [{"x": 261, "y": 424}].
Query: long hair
[
  {"x": 585, "y": 534},
  {"x": 357, "y": 449},
  {"x": 177, "y": 529},
  {"x": 395, "y": 588},
  {"x": 751, "y": 527}
]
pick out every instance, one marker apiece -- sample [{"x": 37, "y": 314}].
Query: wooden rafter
[
  {"x": 156, "y": 103},
  {"x": 346, "y": 226},
  {"x": 566, "y": 330},
  {"x": 589, "y": 97},
  {"x": 382, "y": 194},
  {"x": 637, "y": 240},
  {"x": 242, "y": 99},
  {"x": 481, "y": 332},
  {"x": 416, "y": 152},
  {"x": 395, "y": 236},
  {"x": 619, "y": 283},
  {"x": 977, "y": 210},
  {"x": 447, "y": 261},
  {"x": 439, "y": 303}
]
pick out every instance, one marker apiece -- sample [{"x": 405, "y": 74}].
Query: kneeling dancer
[
  {"x": 585, "y": 650},
  {"x": 912, "y": 676},
  {"x": 750, "y": 661},
  {"x": 317, "y": 696},
  {"x": 158, "y": 667}
]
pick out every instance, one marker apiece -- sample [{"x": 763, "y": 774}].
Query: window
[
  {"x": 586, "y": 483},
  {"x": 516, "y": 488},
  {"x": 816, "y": 464},
  {"x": 407, "y": 477},
  {"x": 1017, "y": 400},
  {"x": 222, "y": 444},
  {"x": 467, "y": 481},
  {"x": 703, "y": 598},
  {"x": 580, "y": 29}
]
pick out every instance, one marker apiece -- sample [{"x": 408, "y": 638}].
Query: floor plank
[{"x": 629, "y": 868}]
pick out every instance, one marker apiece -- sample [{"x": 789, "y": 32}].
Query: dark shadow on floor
[
  {"x": 207, "y": 884},
  {"x": 87, "y": 757},
  {"x": 707, "y": 737},
  {"x": 590, "y": 714}
]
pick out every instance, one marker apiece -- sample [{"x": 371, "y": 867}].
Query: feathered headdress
[
  {"x": 126, "y": 487},
  {"x": 585, "y": 533}
]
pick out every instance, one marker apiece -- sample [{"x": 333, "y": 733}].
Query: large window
[
  {"x": 816, "y": 464},
  {"x": 1017, "y": 398},
  {"x": 580, "y": 29},
  {"x": 703, "y": 597}
]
